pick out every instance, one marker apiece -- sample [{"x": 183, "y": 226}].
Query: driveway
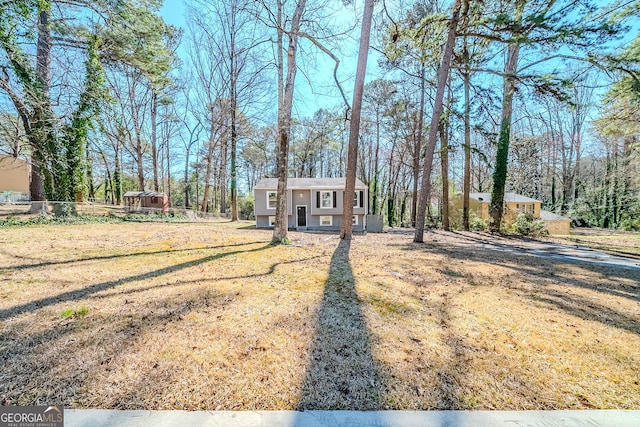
[{"x": 524, "y": 246}]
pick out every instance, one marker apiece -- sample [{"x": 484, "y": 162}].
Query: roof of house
[
  {"x": 143, "y": 194},
  {"x": 508, "y": 197},
  {"x": 550, "y": 216},
  {"x": 306, "y": 183}
]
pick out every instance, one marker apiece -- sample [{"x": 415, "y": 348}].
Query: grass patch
[
  {"x": 70, "y": 312},
  {"x": 210, "y": 315}
]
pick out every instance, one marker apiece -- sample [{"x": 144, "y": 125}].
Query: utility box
[{"x": 375, "y": 223}]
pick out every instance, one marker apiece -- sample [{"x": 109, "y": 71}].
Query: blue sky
[
  {"x": 308, "y": 99},
  {"x": 173, "y": 12}
]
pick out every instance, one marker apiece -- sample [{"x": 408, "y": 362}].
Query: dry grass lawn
[{"x": 210, "y": 316}]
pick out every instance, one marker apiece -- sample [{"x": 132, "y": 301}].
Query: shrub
[
  {"x": 64, "y": 209},
  {"x": 245, "y": 208},
  {"x": 630, "y": 224},
  {"x": 476, "y": 223},
  {"x": 525, "y": 225}
]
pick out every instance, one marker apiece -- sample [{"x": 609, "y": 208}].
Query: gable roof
[
  {"x": 508, "y": 197},
  {"x": 550, "y": 216},
  {"x": 306, "y": 183},
  {"x": 143, "y": 194}
]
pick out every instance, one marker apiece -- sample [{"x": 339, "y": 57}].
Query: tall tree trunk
[
  {"x": 108, "y": 186},
  {"x": 391, "y": 217},
  {"x": 233, "y": 95},
  {"x": 285, "y": 105},
  {"x": 222, "y": 182},
  {"x": 43, "y": 62},
  {"x": 234, "y": 143},
  {"x": 117, "y": 176},
  {"x": 467, "y": 137},
  {"x": 376, "y": 174},
  {"x": 89, "y": 174},
  {"x": 209, "y": 167},
  {"x": 444, "y": 157},
  {"x": 418, "y": 148},
  {"x": 187, "y": 201},
  {"x": 346, "y": 230},
  {"x": 443, "y": 75},
  {"x": 234, "y": 149},
  {"x": 169, "y": 173},
  {"x": 139, "y": 162},
  {"x": 502, "y": 154},
  {"x": 154, "y": 139}
]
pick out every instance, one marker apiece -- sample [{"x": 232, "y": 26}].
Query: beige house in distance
[
  {"x": 515, "y": 204},
  {"x": 14, "y": 179}
]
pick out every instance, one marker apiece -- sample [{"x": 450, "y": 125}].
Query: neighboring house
[
  {"x": 15, "y": 177},
  {"x": 515, "y": 204},
  {"x": 146, "y": 201},
  {"x": 312, "y": 203},
  {"x": 556, "y": 224}
]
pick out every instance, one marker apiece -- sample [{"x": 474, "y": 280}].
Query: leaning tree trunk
[
  {"x": 346, "y": 230},
  {"x": 443, "y": 75}
]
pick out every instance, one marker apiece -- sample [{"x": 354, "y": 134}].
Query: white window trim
[
  {"x": 272, "y": 220},
  {"x": 330, "y": 221},
  {"x": 268, "y": 193},
  {"x": 355, "y": 220},
  {"x": 356, "y": 199},
  {"x": 330, "y": 199}
]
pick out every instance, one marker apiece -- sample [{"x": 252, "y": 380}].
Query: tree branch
[
  {"x": 332, "y": 56},
  {"x": 19, "y": 105}
]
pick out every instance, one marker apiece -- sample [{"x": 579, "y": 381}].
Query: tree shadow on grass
[
  {"x": 35, "y": 360},
  {"x": 43, "y": 263},
  {"x": 610, "y": 280},
  {"x": 342, "y": 372},
  {"x": 98, "y": 287}
]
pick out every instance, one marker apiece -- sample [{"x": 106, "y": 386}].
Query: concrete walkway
[{"x": 113, "y": 418}]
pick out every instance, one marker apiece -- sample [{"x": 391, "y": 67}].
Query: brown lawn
[{"x": 210, "y": 316}]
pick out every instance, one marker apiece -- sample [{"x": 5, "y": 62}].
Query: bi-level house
[{"x": 312, "y": 203}]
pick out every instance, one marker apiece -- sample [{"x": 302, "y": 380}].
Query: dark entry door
[{"x": 302, "y": 216}]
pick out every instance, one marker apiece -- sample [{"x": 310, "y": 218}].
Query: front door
[{"x": 302, "y": 216}]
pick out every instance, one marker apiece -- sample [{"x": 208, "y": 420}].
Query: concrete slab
[{"x": 110, "y": 418}]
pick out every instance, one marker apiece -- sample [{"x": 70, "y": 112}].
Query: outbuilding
[
  {"x": 146, "y": 201},
  {"x": 14, "y": 179},
  {"x": 556, "y": 224}
]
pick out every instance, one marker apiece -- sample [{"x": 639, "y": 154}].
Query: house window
[
  {"x": 326, "y": 199},
  {"x": 356, "y": 199},
  {"x": 271, "y": 199},
  {"x": 355, "y": 219},
  {"x": 272, "y": 221},
  {"x": 326, "y": 220}
]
